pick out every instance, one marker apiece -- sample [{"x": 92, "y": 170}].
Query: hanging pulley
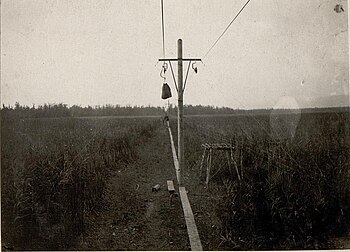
[{"x": 166, "y": 92}]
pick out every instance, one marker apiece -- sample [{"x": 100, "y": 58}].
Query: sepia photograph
[{"x": 175, "y": 125}]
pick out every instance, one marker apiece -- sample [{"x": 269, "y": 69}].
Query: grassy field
[
  {"x": 296, "y": 171},
  {"x": 54, "y": 174},
  {"x": 294, "y": 191}
]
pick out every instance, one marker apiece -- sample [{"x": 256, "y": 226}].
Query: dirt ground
[{"x": 139, "y": 219}]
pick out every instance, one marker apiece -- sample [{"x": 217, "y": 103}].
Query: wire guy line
[{"x": 222, "y": 34}]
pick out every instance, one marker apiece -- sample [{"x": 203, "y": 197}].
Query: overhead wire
[
  {"x": 252, "y": 116},
  {"x": 215, "y": 43},
  {"x": 222, "y": 34},
  {"x": 217, "y": 40},
  {"x": 165, "y": 65},
  {"x": 163, "y": 32}
]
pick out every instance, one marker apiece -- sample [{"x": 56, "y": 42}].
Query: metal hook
[
  {"x": 162, "y": 72},
  {"x": 162, "y": 75},
  {"x": 165, "y": 67},
  {"x": 194, "y": 68}
]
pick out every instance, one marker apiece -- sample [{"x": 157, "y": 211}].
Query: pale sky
[{"x": 90, "y": 52}]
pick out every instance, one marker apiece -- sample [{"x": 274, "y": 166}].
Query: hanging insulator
[
  {"x": 166, "y": 92},
  {"x": 194, "y": 68}
]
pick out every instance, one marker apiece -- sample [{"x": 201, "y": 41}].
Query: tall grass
[
  {"x": 297, "y": 201},
  {"x": 295, "y": 191},
  {"x": 54, "y": 174}
]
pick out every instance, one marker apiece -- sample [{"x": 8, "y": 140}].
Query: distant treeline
[{"x": 63, "y": 110}]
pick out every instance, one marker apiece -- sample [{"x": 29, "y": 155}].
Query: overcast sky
[{"x": 91, "y": 52}]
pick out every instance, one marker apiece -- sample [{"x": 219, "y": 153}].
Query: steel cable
[{"x": 222, "y": 34}]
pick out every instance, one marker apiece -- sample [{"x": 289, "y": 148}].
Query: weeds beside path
[
  {"x": 86, "y": 184},
  {"x": 137, "y": 218}
]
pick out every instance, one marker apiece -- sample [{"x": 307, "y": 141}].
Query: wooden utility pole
[
  {"x": 180, "y": 110},
  {"x": 180, "y": 91}
]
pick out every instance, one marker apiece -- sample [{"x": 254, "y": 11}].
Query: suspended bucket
[{"x": 166, "y": 92}]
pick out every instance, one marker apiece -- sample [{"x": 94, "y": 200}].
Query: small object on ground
[
  {"x": 171, "y": 190},
  {"x": 114, "y": 234},
  {"x": 137, "y": 187},
  {"x": 171, "y": 187},
  {"x": 156, "y": 188}
]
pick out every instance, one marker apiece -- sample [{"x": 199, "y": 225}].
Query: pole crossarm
[
  {"x": 172, "y": 71},
  {"x": 180, "y": 88},
  {"x": 177, "y": 59}
]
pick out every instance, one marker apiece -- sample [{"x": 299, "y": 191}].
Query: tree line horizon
[{"x": 63, "y": 110}]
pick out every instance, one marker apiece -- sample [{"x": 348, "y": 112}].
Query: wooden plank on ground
[
  {"x": 176, "y": 161},
  {"x": 192, "y": 231},
  {"x": 171, "y": 187}
]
